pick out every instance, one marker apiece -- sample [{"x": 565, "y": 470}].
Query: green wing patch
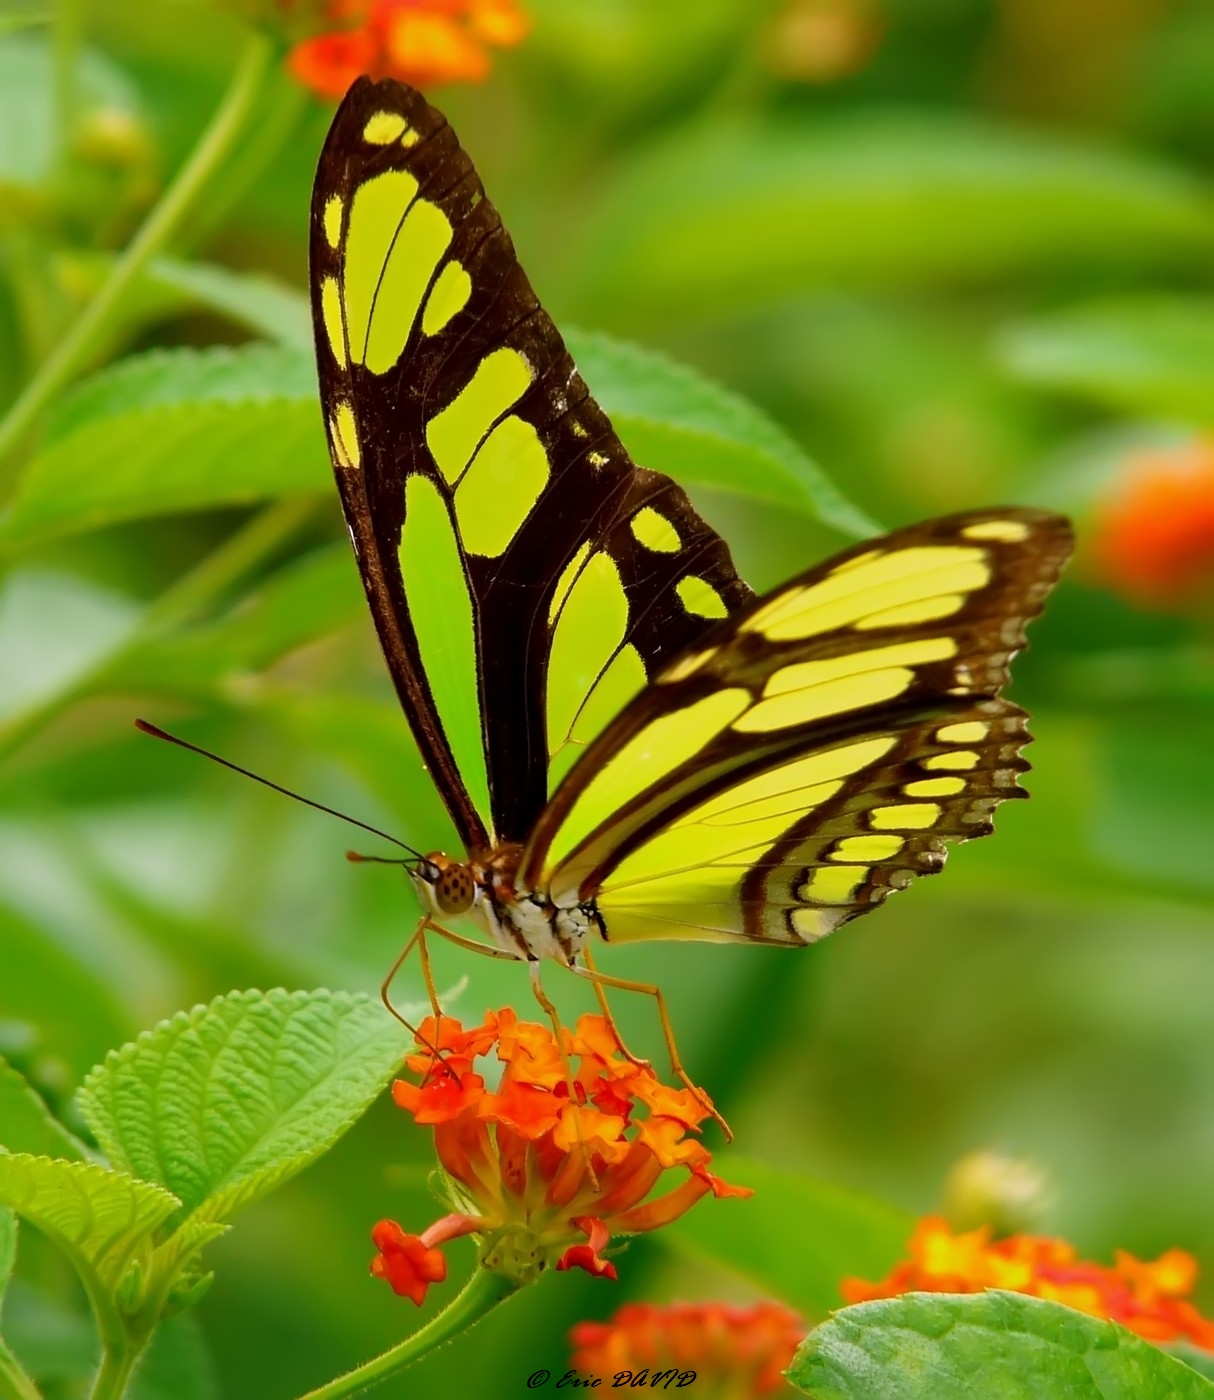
[
  {"x": 814, "y": 750},
  {"x": 525, "y": 577}
]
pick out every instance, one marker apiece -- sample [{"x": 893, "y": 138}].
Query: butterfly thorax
[{"x": 524, "y": 923}]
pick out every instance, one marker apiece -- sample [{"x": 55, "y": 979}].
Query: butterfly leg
[
  {"x": 385, "y": 989},
  {"x": 602, "y": 980},
  {"x": 605, "y": 1006},
  {"x": 418, "y": 941},
  {"x": 484, "y": 949}
]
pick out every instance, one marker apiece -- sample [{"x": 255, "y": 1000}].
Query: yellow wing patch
[
  {"x": 809, "y": 690},
  {"x": 657, "y": 750},
  {"x": 907, "y": 816},
  {"x": 334, "y": 209},
  {"x": 493, "y": 458},
  {"x": 330, "y": 310},
  {"x": 453, "y": 434},
  {"x": 962, "y": 760},
  {"x": 376, "y": 212},
  {"x": 343, "y": 436},
  {"x": 419, "y": 242},
  {"x": 441, "y": 609},
  {"x": 746, "y": 818},
  {"x": 383, "y": 128},
  {"x": 1005, "y": 531},
  {"x": 864, "y": 590},
  {"x": 447, "y": 298},
  {"x": 654, "y": 531},
  {"x": 970, "y": 732},
  {"x": 392, "y": 266},
  {"x": 587, "y": 669},
  {"x": 859, "y": 664},
  {"x": 700, "y": 597},
  {"x": 502, "y": 483},
  {"x": 867, "y": 848}
]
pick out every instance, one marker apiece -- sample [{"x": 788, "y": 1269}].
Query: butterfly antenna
[{"x": 145, "y": 728}]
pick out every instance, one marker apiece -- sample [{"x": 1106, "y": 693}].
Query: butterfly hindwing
[
  {"x": 525, "y": 577},
  {"x": 815, "y": 749}
]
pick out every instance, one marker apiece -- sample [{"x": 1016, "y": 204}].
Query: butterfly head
[{"x": 449, "y": 885}]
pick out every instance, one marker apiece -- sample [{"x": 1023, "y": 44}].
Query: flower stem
[
  {"x": 162, "y": 224},
  {"x": 114, "y": 1373},
  {"x": 482, "y": 1293}
]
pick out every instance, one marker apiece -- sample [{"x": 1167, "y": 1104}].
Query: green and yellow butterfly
[{"x": 630, "y": 743}]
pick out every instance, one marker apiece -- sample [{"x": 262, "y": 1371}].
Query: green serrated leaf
[
  {"x": 173, "y": 431},
  {"x": 27, "y": 1125},
  {"x": 223, "y": 1103},
  {"x": 101, "y": 1218},
  {"x": 701, "y": 432},
  {"x": 932, "y": 1346},
  {"x": 1149, "y": 355},
  {"x": 795, "y": 1237},
  {"x": 746, "y": 210},
  {"x": 188, "y": 429}
]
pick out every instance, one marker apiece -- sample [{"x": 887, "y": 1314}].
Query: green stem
[
  {"x": 162, "y": 224},
  {"x": 481, "y": 1294},
  {"x": 14, "y": 1383},
  {"x": 114, "y": 1373},
  {"x": 238, "y": 556}
]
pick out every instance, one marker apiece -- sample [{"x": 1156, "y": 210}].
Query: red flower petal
[
  {"x": 405, "y": 1262},
  {"x": 586, "y": 1256}
]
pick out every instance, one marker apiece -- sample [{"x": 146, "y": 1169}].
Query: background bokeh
[{"x": 962, "y": 251}]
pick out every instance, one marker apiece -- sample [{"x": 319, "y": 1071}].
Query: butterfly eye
[{"x": 455, "y": 890}]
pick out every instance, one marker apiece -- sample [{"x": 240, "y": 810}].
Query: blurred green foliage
[{"x": 963, "y": 256}]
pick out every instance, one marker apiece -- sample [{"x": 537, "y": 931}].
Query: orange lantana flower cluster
[
  {"x": 538, "y": 1176},
  {"x": 732, "y": 1351},
  {"x": 1152, "y": 537},
  {"x": 1148, "y": 1298},
  {"x": 424, "y": 42}
]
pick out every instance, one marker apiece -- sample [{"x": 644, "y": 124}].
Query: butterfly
[{"x": 630, "y": 743}]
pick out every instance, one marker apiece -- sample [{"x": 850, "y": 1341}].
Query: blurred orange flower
[
  {"x": 1148, "y": 1298},
  {"x": 424, "y": 42},
  {"x": 1152, "y": 537},
  {"x": 734, "y": 1351},
  {"x": 538, "y": 1177}
]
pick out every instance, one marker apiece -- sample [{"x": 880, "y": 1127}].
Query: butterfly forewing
[
  {"x": 814, "y": 750},
  {"x": 525, "y": 577}
]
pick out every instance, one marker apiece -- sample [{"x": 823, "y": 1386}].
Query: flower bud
[{"x": 1008, "y": 1194}]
